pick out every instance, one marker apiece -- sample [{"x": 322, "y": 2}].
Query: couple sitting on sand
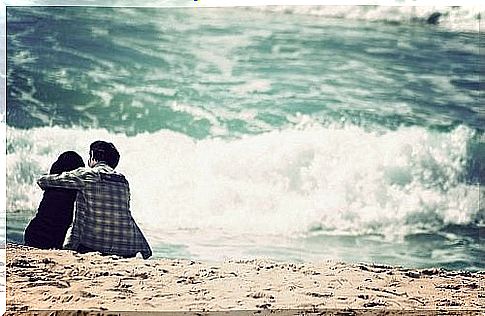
[{"x": 102, "y": 219}]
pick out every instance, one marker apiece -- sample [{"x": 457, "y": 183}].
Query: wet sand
[{"x": 65, "y": 280}]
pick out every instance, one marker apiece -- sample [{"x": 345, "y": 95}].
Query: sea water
[{"x": 295, "y": 134}]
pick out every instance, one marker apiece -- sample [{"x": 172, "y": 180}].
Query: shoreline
[{"x": 40, "y": 280}]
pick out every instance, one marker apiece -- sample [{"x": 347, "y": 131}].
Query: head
[
  {"x": 101, "y": 151},
  {"x": 67, "y": 161}
]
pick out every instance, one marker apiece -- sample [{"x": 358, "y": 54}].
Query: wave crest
[
  {"x": 459, "y": 18},
  {"x": 292, "y": 181}
]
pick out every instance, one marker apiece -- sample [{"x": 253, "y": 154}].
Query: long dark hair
[{"x": 67, "y": 161}]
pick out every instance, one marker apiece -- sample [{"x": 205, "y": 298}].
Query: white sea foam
[
  {"x": 223, "y": 3},
  {"x": 253, "y": 86},
  {"x": 336, "y": 179},
  {"x": 464, "y": 18},
  {"x": 219, "y": 54},
  {"x": 23, "y": 57},
  {"x": 199, "y": 113}
]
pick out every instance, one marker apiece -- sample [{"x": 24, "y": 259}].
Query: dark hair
[
  {"x": 67, "y": 161},
  {"x": 105, "y": 152}
]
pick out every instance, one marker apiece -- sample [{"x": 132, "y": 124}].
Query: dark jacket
[{"x": 49, "y": 226}]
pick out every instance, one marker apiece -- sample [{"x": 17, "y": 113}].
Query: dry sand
[
  {"x": 2, "y": 280},
  {"x": 65, "y": 280}
]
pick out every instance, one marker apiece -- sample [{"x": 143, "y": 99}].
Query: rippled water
[{"x": 250, "y": 132}]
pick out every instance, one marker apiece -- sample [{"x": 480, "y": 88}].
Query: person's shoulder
[
  {"x": 106, "y": 173},
  {"x": 81, "y": 172},
  {"x": 113, "y": 177},
  {"x": 59, "y": 196}
]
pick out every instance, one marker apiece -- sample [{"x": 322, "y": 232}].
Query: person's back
[
  {"x": 47, "y": 230},
  {"x": 107, "y": 224},
  {"x": 102, "y": 220}
]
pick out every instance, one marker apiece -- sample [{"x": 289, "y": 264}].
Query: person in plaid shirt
[{"x": 102, "y": 219}]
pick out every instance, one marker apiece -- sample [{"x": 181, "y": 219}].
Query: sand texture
[{"x": 65, "y": 280}]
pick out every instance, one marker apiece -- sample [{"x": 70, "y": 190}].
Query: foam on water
[
  {"x": 334, "y": 179},
  {"x": 463, "y": 18},
  {"x": 217, "y": 153}
]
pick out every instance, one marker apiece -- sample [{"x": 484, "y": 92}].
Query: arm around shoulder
[{"x": 67, "y": 180}]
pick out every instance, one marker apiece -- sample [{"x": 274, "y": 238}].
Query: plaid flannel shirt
[{"x": 102, "y": 219}]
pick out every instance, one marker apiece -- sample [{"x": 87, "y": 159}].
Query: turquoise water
[{"x": 249, "y": 133}]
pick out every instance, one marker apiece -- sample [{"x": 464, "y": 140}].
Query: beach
[
  {"x": 273, "y": 156},
  {"x": 298, "y": 134},
  {"x": 65, "y": 280}
]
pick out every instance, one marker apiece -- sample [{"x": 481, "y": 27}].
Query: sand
[
  {"x": 2, "y": 279},
  {"x": 65, "y": 280}
]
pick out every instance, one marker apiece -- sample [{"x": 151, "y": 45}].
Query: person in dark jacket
[{"x": 47, "y": 230}]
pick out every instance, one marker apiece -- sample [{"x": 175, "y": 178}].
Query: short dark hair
[{"x": 105, "y": 152}]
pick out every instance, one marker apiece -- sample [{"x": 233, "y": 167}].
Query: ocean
[{"x": 296, "y": 134}]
